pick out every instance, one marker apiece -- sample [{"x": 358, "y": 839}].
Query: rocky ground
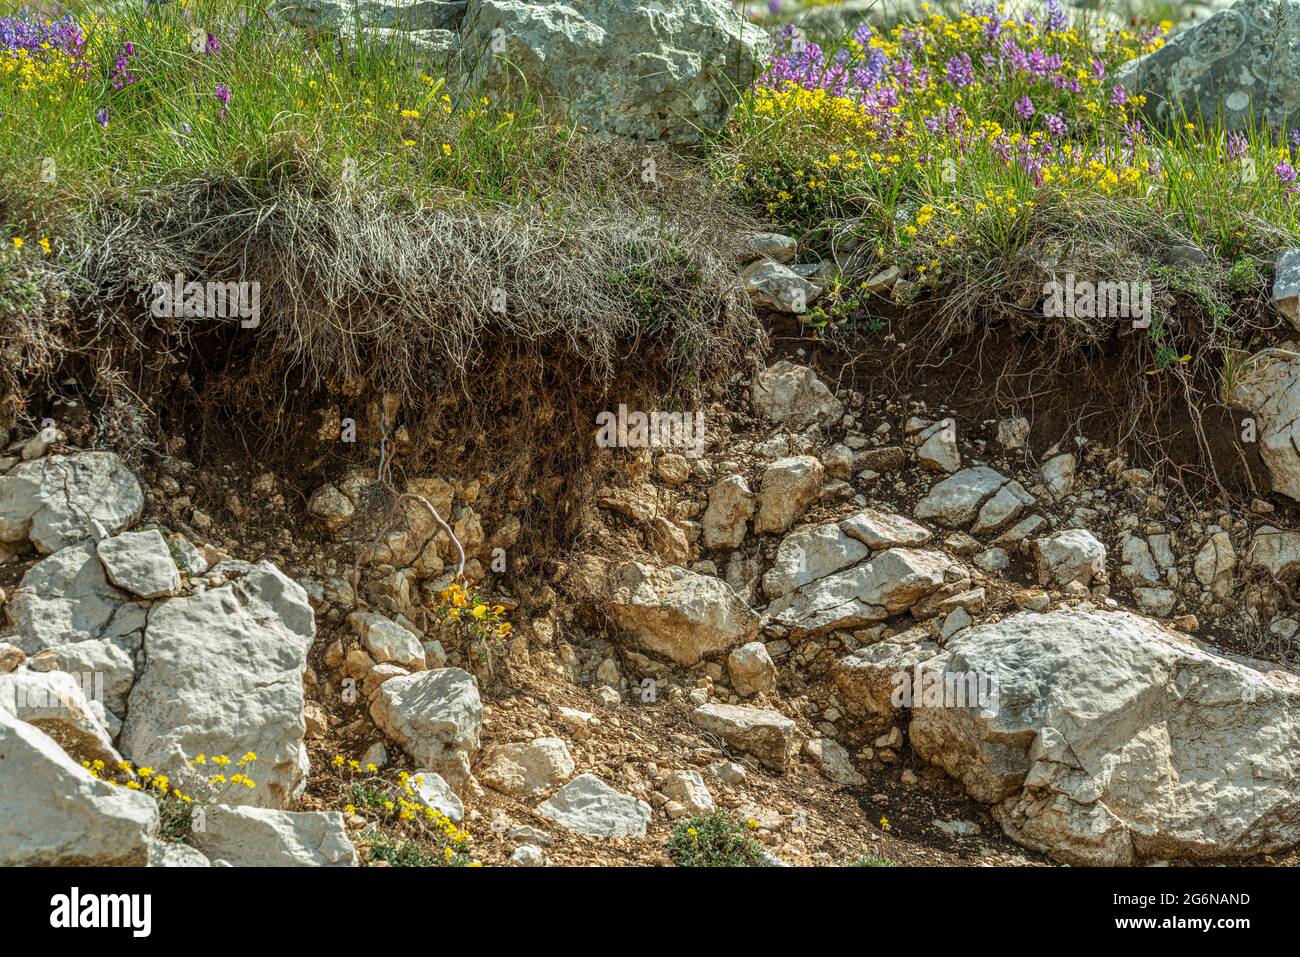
[
  {"x": 730, "y": 635},
  {"x": 864, "y": 625}
]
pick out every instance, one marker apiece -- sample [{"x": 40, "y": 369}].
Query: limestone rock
[
  {"x": 264, "y": 837},
  {"x": 956, "y": 500},
  {"x": 1268, "y": 387},
  {"x": 767, "y": 735},
  {"x": 223, "y": 672},
  {"x": 751, "y": 669},
  {"x": 528, "y": 769},
  {"x": 677, "y": 613},
  {"x": 779, "y": 287},
  {"x": 66, "y": 598},
  {"x": 436, "y": 717},
  {"x": 55, "y": 501},
  {"x": 887, "y": 585},
  {"x": 792, "y": 395},
  {"x": 90, "y": 824},
  {"x": 590, "y": 806},
  {"x": 140, "y": 563},
  {"x": 1115, "y": 740},
  {"x": 387, "y": 641},
  {"x": 789, "y": 486},
  {"x": 1073, "y": 555},
  {"x": 731, "y": 505},
  {"x": 688, "y": 789}
]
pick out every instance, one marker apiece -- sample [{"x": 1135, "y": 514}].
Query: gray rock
[
  {"x": 834, "y": 761},
  {"x": 663, "y": 73},
  {"x": 779, "y": 287},
  {"x": 1286, "y": 285},
  {"x": 264, "y": 837},
  {"x": 775, "y": 246},
  {"x": 55, "y": 501},
  {"x": 938, "y": 447},
  {"x": 792, "y": 395},
  {"x": 404, "y": 15},
  {"x": 956, "y": 500},
  {"x": 887, "y": 585},
  {"x": 56, "y": 704},
  {"x": 67, "y": 598},
  {"x": 1073, "y": 555},
  {"x": 688, "y": 789},
  {"x": 527, "y": 855},
  {"x": 767, "y": 735},
  {"x": 809, "y": 554},
  {"x": 223, "y": 672},
  {"x": 879, "y": 530},
  {"x": 1115, "y": 740},
  {"x": 1238, "y": 65},
  {"x": 1268, "y": 386},
  {"x": 140, "y": 563},
  {"x": 170, "y": 854},
  {"x": 57, "y": 815},
  {"x": 434, "y": 792},
  {"x": 436, "y": 717},
  {"x": 106, "y": 665},
  {"x": 590, "y": 806}
]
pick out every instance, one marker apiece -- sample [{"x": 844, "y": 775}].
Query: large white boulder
[
  {"x": 1114, "y": 740},
  {"x": 57, "y": 815},
  {"x": 66, "y": 598},
  {"x": 55, "y": 501},
  {"x": 436, "y": 717},
  {"x": 222, "y": 674},
  {"x": 265, "y": 837}
]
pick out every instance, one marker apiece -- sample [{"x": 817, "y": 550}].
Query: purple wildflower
[
  {"x": 1285, "y": 172},
  {"x": 1235, "y": 147},
  {"x": 1055, "y": 125},
  {"x": 1024, "y": 107},
  {"x": 958, "y": 71},
  {"x": 102, "y": 117}
]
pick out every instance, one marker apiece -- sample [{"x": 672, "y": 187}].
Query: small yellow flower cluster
[
  {"x": 459, "y": 603},
  {"x": 401, "y": 809},
  {"x": 222, "y": 761}
]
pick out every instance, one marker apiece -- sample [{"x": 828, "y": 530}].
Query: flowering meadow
[
  {"x": 942, "y": 144},
  {"x": 97, "y": 103}
]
